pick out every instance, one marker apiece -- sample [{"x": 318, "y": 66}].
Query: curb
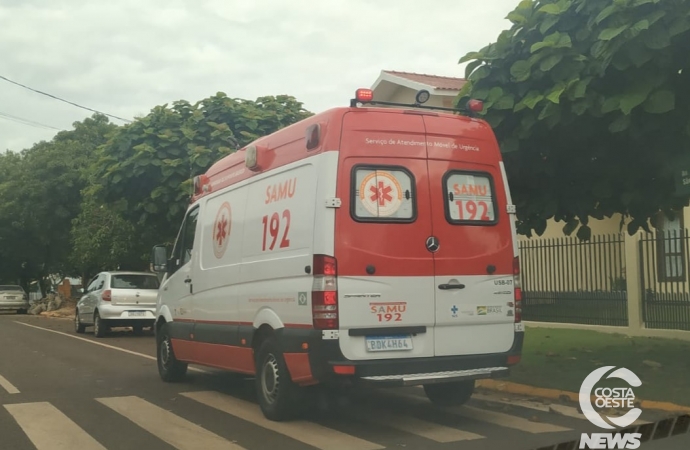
[{"x": 555, "y": 394}]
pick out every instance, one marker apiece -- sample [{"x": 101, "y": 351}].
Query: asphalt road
[{"x": 63, "y": 391}]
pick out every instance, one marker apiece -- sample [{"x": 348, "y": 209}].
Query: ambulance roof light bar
[{"x": 366, "y": 97}]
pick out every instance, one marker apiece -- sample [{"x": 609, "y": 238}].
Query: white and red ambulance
[{"x": 363, "y": 245}]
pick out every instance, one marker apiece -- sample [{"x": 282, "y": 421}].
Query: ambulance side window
[
  {"x": 182, "y": 253},
  {"x": 470, "y": 198},
  {"x": 383, "y": 194}
]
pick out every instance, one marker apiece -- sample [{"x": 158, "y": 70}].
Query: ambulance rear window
[
  {"x": 383, "y": 194},
  {"x": 470, "y": 198}
]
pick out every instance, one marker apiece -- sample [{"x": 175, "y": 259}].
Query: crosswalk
[{"x": 49, "y": 428}]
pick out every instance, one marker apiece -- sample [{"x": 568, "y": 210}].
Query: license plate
[
  {"x": 388, "y": 343},
  {"x": 10, "y": 298},
  {"x": 137, "y": 313}
]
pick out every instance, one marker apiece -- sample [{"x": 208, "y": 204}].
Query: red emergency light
[
  {"x": 364, "y": 95},
  {"x": 475, "y": 105}
]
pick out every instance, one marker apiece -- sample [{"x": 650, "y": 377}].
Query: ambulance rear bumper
[
  {"x": 328, "y": 364},
  {"x": 435, "y": 377}
]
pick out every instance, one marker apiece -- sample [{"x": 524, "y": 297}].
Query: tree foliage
[
  {"x": 144, "y": 173},
  {"x": 590, "y": 101},
  {"x": 40, "y": 194},
  {"x": 98, "y": 196}
]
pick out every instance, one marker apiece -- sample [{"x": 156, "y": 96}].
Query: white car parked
[
  {"x": 14, "y": 298},
  {"x": 118, "y": 299}
]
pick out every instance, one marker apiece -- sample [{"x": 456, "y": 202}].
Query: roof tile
[{"x": 436, "y": 81}]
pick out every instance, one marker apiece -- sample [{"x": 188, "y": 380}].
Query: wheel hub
[
  {"x": 270, "y": 381},
  {"x": 165, "y": 352}
]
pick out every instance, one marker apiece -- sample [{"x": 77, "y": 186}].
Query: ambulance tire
[
  {"x": 170, "y": 368},
  {"x": 279, "y": 398},
  {"x": 455, "y": 393}
]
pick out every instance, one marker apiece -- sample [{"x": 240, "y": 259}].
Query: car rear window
[
  {"x": 16, "y": 289},
  {"x": 383, "y": 194},
  {"x": 134, "y": 282},
  {"x": 470, "y": 198}
]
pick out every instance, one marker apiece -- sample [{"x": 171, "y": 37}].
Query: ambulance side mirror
[
  {"x": 159, "y": 259},
  {"x": 255, "y": 158}
]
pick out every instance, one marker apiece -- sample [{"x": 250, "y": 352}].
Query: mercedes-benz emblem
[{"x": 432, "y": 244}]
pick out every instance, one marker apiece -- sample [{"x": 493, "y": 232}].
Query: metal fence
[
  {"x": 569, "y": 281},
  {"x": 664, "y": 279}
]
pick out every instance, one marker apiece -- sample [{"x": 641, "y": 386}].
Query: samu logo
[{"x": 610, "y": 398}]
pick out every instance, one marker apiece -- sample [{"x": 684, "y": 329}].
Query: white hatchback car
[{"x": 118, "y": 299}]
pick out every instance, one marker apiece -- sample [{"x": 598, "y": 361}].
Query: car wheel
[
  {"x": 78, "y": 326},
  {"x": 169, "y": 368},
  {"x": 450, "y": 394},
  {"x": 279, "y": 398},
  {"x": 99, "y": 327}
]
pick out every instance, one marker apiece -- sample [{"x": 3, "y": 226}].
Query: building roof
[{"x": 434, "y": 81}]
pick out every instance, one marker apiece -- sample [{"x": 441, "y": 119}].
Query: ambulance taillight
[
  {"x": 518, "y": 289},
  {"x": 324, "y": 295}
]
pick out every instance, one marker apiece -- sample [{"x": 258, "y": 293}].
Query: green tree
[
  {"x": 144, "y": 173},
  {"x": 590, "y": 101},
  {"x": 40, "y": 194}
]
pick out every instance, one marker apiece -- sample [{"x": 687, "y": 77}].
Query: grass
[{"x": 561, "y": 359}]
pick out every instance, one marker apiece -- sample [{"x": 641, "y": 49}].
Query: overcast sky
[{"x": 124, "y": 57}]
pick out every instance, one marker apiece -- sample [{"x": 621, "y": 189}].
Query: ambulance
[{"x": 368, "y": 245}]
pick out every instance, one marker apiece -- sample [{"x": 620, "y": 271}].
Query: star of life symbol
[
  {"x": 380, "y": 194},
  {"x": 454, "y": 310},
  {"x": 609, "y": 397},
  {"x": 221, "y": 230}
]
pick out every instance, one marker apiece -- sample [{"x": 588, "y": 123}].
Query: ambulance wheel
[
  {"x": 450, "y": 394},
  {"x": 170, "y": 368},
  {"x": 279, "y": 398}
]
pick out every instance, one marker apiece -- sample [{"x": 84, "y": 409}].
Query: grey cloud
[{"x": 127, "y": 56}]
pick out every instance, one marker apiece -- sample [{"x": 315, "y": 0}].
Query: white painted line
[
  {"x": 517, "y": 402},
  {"x": 505, "y": 420},
  {"x": 49, "y": 429},
  {"x": 500, "y": 419},
  {"x": 195, "y": 369},
  {"x": 309, "y": 433},
  {"x": 176, "y": 431},
  {"x": 552, "y": 408},
  {"x": 412, "y": 425},
  {"x": 9, "y": 387}
]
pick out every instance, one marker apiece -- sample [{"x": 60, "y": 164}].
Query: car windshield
[
  {"x": 15, "y": 289},
  {"x": 134, "y": 282}
]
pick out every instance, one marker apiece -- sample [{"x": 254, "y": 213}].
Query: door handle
[
  {"x": 451, "y": 286},
  {"x": 187, "y": 280}
]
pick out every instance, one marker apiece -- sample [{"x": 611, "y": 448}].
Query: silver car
[
  {"x": 118, "y": 299},
  {"x": 14, "y": 298}
]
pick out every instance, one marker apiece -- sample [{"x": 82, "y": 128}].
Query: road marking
[
  {"x": 412, "y": 425},
  {"x": 505, "y": 420},
  {"x": 516, "y": 402},
  {"x": 173, "y": 429},
  {"x": 552, "y": 408},
  {"x": 195, "y": 369},
  {"x": 496, "y": 418},
  {"x": 9, "y": 387},
  {"x": 307, "y": 432},
  {"x": 49, "y": 429}
]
